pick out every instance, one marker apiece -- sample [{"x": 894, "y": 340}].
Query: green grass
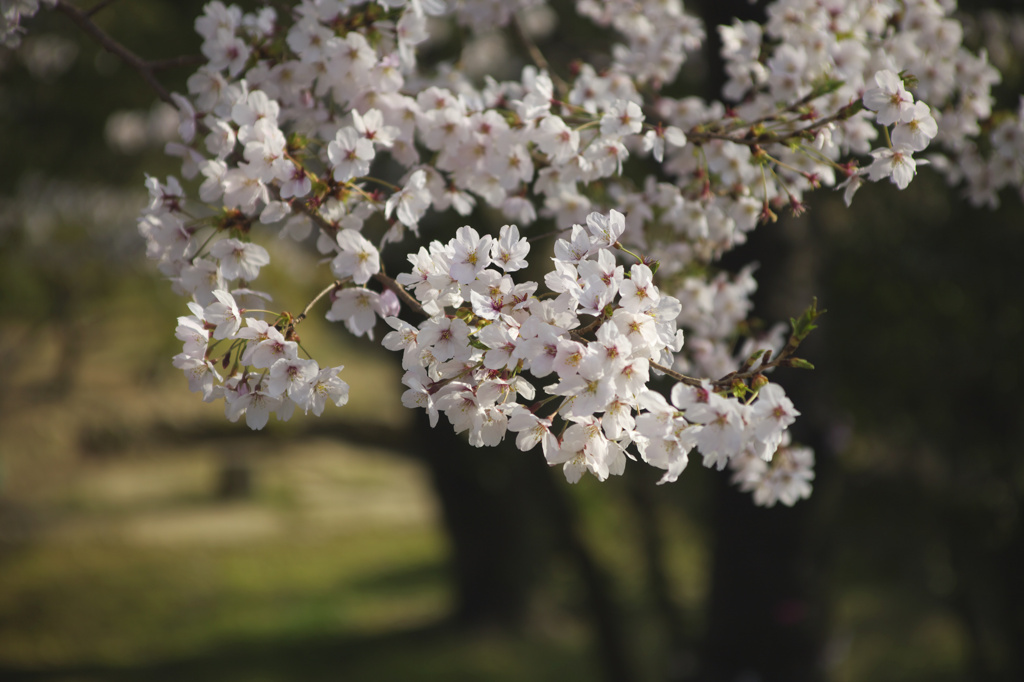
[
  {"x": 118, "y": 561},
  {"x": 115, "y": 604}
]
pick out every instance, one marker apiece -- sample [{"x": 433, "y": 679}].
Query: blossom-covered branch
[{"x": 291, "y": 112}]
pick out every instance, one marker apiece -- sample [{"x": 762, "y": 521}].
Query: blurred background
[{"x": 143, "y": 537}]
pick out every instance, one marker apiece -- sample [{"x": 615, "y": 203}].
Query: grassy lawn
[{"x": 118, "y": 560}]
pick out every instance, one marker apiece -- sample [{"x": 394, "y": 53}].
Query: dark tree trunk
[
  {"x": 506, "y": 514},
  {"x": 762, "y": 620},
  {"x": 760, "y": 612},
  {"x": 611, "y": 642},
  {"x": 498, "y": 544}
]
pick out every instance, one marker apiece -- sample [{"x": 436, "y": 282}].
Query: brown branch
[
  {"x": 314, "y": 215},
  {"x": 337, "y": 284},
  {"x": 98, "y": 6},
  {"x": 748, "y": 138},
  {"x": 775, "y": 116},
  {"x": 143, "y": 67},
  {"x": 718, "y": 384},
  {"x": 591, "y": 326},
  {"x": 682, "y": 378},
  {"x": 380, "y": 277},
  {"x": 840, "y": 115},
  {"x": 744, "y": 374},
  {"x": 402, "y": 294},
  {"x": 538, "y": 57},
  {"x": 177, "y": 62}
]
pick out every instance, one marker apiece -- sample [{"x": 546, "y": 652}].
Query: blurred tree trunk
[
  {"x": 765, "y": 618},
  {"x": 506, "y": 514},
  {"x": 678, "y": 657},
  {"x": 500, "y": 537},
  {"x": 762, "y": 621},
  {"x": 498, "y": 543},
  {"x": 1012, "y": 574}
]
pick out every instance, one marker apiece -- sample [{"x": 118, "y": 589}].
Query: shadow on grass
[
  {"x": 418, "y": 577},
  {"x": 439, "y": 650}
]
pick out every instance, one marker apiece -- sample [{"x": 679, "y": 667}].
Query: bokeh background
[{"x": 143, "y": 537}]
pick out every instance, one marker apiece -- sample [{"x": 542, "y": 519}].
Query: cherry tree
[{"x": 575, "y": 300}]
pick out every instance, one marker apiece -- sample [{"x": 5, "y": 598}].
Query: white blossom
[{"x": 567, "y": 347}]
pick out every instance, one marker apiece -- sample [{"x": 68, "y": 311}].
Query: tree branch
[
  {"x": 176, "y": 62},
  {"x": 334, "y": 286},
  {"x": 538, "y": 57},
  {"x": 402, "y": 294},
  {"x": 103, "y": 4},
  {"x": 682, "y": 378},
  {"x": 144, "y": 68},
  {"x": 380, "y": 277}
]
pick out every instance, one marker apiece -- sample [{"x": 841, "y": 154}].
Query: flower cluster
[
  {"x": 913, "y": 129},
  {"x": 859, "y": 52},
  {"x": 265, "y": 373},
  {"x": 475, "y": 363},
  {"x": 320, "y": 118}
]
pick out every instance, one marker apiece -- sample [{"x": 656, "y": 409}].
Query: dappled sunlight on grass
[
  {"x": 116, "y": 549},
  {"x": 122, "y": 559},
  {"x": 111, "y": 603}
]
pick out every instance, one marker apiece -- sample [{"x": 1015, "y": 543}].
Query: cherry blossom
[
  {"x": 612, "y": 337},
  {"x": 890, "y": 99},
  {"x": 897, "y": 164},
  {"x": 358, "y": 258},
  {"x": 350, "y": 154}
]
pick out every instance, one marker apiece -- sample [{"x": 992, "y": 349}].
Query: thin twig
[
  {"x": 543, "y": 235},
  {"x": 382, "y": 278},
  {"x": 177, "y": 62},
  {"x": 538, "y": 57},
  {"x": 730, "y": 379},
  {"x": 774, "y": 116},
  {"x": 314, "y": 215},
  {"x": 337, "y": 284},
  {"x": 143, "y": 67},
  {"x": 697, "y": 136},
  {"x": 682, "y": 378},
  {"x": 98, "y": 6}
]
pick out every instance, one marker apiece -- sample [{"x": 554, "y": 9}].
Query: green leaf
[
  {"x": 851, "y": 109},
  {"x": 825, "y": 86},
  {"x": 297, "y": 142},
  {"x": 798, "y": 363},
  {"x": 804, "y": 325}
]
